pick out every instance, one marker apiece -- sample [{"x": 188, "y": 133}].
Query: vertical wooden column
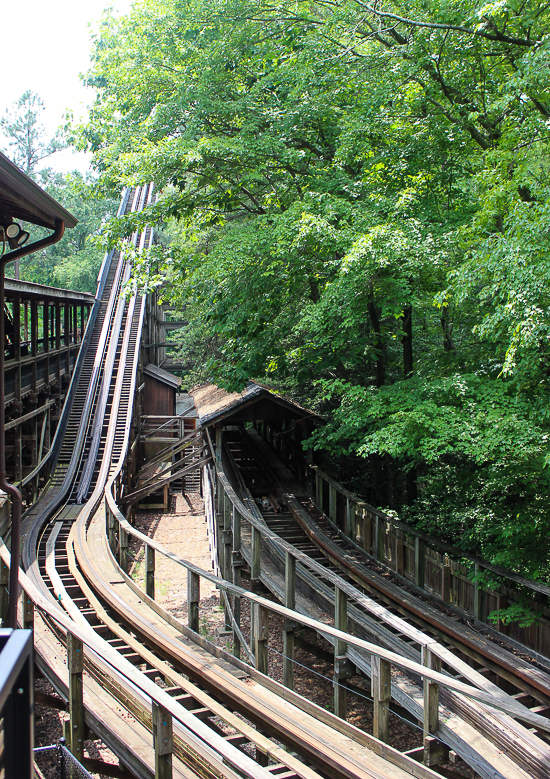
[
  {"x": 381, "y": 695},
  {"x": 332, "y": 505},
  {"x": 399, "y": 553},
  {"x": 290, "y": 625},
  {"x": 256, "y": 559},
  {"x": 341, "y": 662},
  {"x": 123, "y": 549},
  {"x": 318, "y": 491},
  {"x": 419, "y": 562},
  {"x": 261, "y": 635},
  {"x": 4, "y": 592},
  {"x": 236, "y": 560},
  {"x": 227, "y": 556},
  {"x": 163, "y": 741},
  {"x": 75, "y": 663},
  {"x": 380, "y": 531},
  {"x": 193, "y": 598},
  {"x": 446, "y": 580},
  {"x": 434, "y": 751},
  {"x": 28, "y": 612},
  {"x": 348, "y": 521},
  {"x": 479, "y": 596},
  {"x": 46, "y": 326},
  {"x": 17, "y": 345},
  {"x": 149, "y": 571}
]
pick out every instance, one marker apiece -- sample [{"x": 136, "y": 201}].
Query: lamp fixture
[
  {"x": 11, "y": 231},
  {"x": 16, "y": 235}
]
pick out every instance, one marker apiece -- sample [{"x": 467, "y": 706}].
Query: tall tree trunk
[
  {"x": 411, "y": 475},
  {"x": 380, "y": 351},
  {"x": 447, "y": 329},
  {"x": 407, "y": 342}
]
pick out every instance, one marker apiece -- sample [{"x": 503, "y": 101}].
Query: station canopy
[
  {"x": 255, "y": 403},
  {"x": 26, "y": 201}
]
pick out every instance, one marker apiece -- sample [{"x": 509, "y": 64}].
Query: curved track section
[{"x": 383, "y": 612}]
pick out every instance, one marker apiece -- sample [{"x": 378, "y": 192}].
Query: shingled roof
[{"x": 256, "y": 401}]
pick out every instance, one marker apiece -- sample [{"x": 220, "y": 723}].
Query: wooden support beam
[
  {"x": 434, "y": 750},
  {"x": 261, "y": 636},
  {"x": 75, "y": 663},
  {"x": 28, "y": 612},
  {"x": 123, "y": 549},
  {"x": 236, "y": 562},
  {"x": 419, "y": 562},
  {"x": 163, "y": 741},
  {"x": 381, "y": 694},
  {"x": 193, "y": 598},
  {"x": 289, "y": 626},
  {"x": 479, "y": 596},
  {"x": 399, "y": 553},
  {"x": 332, "y": 503},
  {"x": 446, "y": 581},
  {"x": 256, "y": 559},
  {"x": 319, "y": 491},
  {"x": 341, "y": 670},
  {"x": 227, "y": 538},
  {"x": 380, "y": 531},
  {"x": 150, "y": 571},
  {"x": 4, "y": 592}
]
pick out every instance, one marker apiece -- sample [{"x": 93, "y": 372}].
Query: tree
[
  {"x": 27, "y": 143},
  {"x": 357, "y": 197}
]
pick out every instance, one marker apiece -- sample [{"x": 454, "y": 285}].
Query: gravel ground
[{"x": 184, "y": 532}]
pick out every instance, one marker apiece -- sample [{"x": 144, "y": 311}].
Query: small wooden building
[{"x": 159, "y": 393}]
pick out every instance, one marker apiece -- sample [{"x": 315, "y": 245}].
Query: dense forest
[{"x": 354, "y": 207}]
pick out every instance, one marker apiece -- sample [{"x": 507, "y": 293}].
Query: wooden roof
[
  {"x": 158, "y": 373},
  {"x": 256, "y": 401},
  {"x": 27, "y": 201}
]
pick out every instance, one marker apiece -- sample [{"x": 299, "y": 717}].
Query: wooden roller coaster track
[{"x": 169, "y": 703}]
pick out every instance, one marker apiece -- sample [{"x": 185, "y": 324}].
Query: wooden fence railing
[{"x": 473, "y": 587}]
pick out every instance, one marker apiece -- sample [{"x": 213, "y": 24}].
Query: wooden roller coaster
[{"x": 165, "y": 700}]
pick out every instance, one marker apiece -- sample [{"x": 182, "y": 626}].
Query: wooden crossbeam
[{"x": 132, "y": 497}]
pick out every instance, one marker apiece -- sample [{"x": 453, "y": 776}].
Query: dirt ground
[{"x": 184, "y": 532}]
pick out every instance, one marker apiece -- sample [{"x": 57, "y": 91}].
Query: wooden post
[
  {"x": 236, "y": 559},
  {"x": 399, "y": 553},
  {"x": 261, "y": 635},
  {"x": 433, "y": 749},
  {"x": 341, "y": 663},
  {"x": 381, "y": 695},
  {"x": 319, "y": 491},
  {"x": 163, "y": 741},
  {"x": 446, "y": 580},
  {"x": 150, "y": 571},
  {"x": 28, "y": 612},
  {"x": 289, "y": 625},
  {"x": 348, "y": 523},
  {"x": 332, "y": 503},
  {"x": 419, "y": 562},
  {"x": 110, "y": 528},
  {"x": 75, "y": 663},
  {"x": 479, "y": 596},
  {"x": 123, "y": 549},
  {"x": 4, "y": 592},
  {"x": 380, "y": 531},
  {"x": 193, "y": 597},
  {"x": 227, "y": 543},
  {"x": 256, "y": 559}
]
